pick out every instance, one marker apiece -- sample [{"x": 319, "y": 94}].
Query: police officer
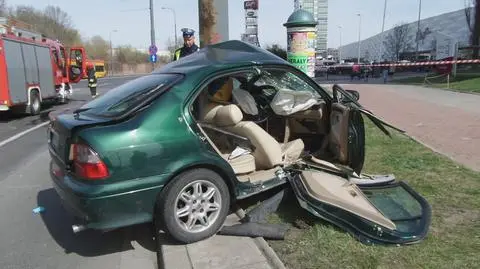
[
  {"x": 92, "y": 80},
  {"x": 189, "y": 45}
]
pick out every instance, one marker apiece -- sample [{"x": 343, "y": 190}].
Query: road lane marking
[{"x": 17, "y": 136}]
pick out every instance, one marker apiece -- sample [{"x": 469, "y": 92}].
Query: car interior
[{"x": 262, "y": 121}]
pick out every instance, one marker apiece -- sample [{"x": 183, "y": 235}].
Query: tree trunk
[{"x": 475, "y": 38}]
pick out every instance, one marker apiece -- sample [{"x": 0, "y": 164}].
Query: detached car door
[{"x": 374, "y": 211}]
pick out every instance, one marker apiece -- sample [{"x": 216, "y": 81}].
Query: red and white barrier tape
[{"x": 475, "y": 61}]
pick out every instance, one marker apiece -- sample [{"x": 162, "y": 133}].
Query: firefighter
[
  {"x": 92, "y": 80},
  {"x": 189, "y": 45}
]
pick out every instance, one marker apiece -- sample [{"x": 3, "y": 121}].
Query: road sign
[
  {"x": 153, "y": 49},
  {"x": 153, "y": 58}
]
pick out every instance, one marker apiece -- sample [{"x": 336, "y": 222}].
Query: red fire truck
[{"x": 34, "y": 69}]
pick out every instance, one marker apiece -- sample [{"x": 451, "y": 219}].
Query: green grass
[
  {"x": 452, "y": 190},
  {"x": 469, "y": 83}
]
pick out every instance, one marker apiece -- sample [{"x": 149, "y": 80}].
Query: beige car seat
[{"x": 268, "y": 153}]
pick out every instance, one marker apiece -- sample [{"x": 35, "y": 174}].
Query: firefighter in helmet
[
  {"x": 92, "y": 80},
  {"x": 189, "y": 45}
]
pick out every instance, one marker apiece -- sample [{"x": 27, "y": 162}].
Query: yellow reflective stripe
[{"x": 177, "y": 54}]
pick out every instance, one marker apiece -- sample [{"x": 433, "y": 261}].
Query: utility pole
[
  {"x": 359, "y": 29},
  {"x": 174, "y": 22},
  {"x": 213, "y": 21},
  {"x": 111, "y": 52},
  {"x": 383, "y": 28},
  {"x": 152, "y": 28},
  {"x": 340, "y": 47},
  {"x": 418, "y": 28}
]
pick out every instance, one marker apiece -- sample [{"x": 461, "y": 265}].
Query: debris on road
[{"x": 39, "y": 210}]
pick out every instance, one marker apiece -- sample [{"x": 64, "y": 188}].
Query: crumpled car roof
[{"x": 221, "y": 55}]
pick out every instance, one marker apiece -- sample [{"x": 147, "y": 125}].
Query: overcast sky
[{"x": 100, "y": 17}]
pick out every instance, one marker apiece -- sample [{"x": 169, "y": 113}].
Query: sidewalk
[
  {"x": 448, "y": 122},
  {"x": 219, "y": 252}
]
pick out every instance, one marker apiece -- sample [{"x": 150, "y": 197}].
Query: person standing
[
  {"x": 92, "y": 80},
  {"x": 189, "y": 45}
]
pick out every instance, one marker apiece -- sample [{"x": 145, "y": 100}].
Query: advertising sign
[
  {"x": 301, "y": 51},
  {"x": 251, "y": 4},
  {"x": 251, "y": 13}
]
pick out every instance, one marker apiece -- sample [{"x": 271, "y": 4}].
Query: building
[
  {"x": 332, "y": 53},
  {"x": 451, "y": 25},
  {"x": 319, "y": 9}
]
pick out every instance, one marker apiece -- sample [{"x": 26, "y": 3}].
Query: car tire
[
  {"x": 186, "y": 208},
  {"x": 35, "y": 103}
]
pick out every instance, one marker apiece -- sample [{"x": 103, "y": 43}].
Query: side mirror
[{"x": 354, "y": 94}]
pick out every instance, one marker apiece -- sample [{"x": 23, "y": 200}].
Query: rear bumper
[{"x": 123, "y": 208}]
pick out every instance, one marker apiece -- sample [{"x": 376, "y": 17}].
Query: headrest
[
  {"x": 228, "y": 115},
  {"x": 211, "y": 110}
]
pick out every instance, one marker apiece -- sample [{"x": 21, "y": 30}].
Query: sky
[{"x": 132, "y": 24}]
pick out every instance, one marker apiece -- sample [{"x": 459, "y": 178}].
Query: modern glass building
[
  {"x": 319, "y": 9},
  {"x": 451, "y": 25}
]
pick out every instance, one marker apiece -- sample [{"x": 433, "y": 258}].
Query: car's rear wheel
[{"x": 193, "y": 206}]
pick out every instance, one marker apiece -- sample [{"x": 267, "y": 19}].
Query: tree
[
  {"x": 277, "y": 50},
  {"x": 53, "y": 22},
  {"x": 97, "y": 48},
  {"x": 397, "y": 41},
  {"x": 171, "y": 46},
  {"x": 130, "y": 55},
  {"x": 472, "y": 9},
  {"x": 3, "y": 8}
]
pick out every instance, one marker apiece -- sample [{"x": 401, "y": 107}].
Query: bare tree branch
[{"x": 397, "y": 41}]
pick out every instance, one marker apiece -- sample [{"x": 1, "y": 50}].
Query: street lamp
[
  {"x": 418, "y": 27},
  {"x": 111, "y": 51},
  {"x": 383, "y": 28},
  {"x": 175, "y": 23},
  {"x": 359, "y": 28},
  {"x": 340, "y": 46}
]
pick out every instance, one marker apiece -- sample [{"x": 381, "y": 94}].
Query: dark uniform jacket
[
  {"x": 184, "y": 51},
  {"x": 92, "y": 79}
]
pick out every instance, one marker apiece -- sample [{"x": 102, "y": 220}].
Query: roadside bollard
[{"x": 301, "y": 36}]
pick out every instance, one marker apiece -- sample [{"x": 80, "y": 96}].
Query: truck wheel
[
  {"x": 35, "y": 104},
  {"x": 193, "y": 206}
]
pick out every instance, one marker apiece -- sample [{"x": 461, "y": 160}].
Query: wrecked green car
[{"x": 181, "y": 145}]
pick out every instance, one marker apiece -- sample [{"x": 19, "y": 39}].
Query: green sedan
[{"x": 181, "y": 145}]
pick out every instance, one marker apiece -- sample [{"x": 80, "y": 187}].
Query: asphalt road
[{"x": 29, "y": 240}]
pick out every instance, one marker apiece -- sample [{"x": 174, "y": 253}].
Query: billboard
[{"x": 251, "y": 4}]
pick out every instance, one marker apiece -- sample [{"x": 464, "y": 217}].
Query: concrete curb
[{"x": 269, "y": 253}]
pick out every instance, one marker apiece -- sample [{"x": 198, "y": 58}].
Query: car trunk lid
[{"x": 62, "y": 129}]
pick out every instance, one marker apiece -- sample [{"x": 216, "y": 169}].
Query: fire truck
[{"x": 35, "y": 69}]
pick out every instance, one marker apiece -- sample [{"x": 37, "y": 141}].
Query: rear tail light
[{"x": 87, "y": 164}]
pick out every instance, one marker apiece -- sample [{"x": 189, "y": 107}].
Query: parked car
[{"x": 181, "y": 145}]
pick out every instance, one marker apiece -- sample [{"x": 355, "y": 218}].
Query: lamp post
[
  {"x": 111, "y": 51},
  {"x": 418, "y": 28},
  {"x": 152, "y": 28},
  {"x": 359, "y": 28},
  {"x": 340, "y": 46},
  {"x": 175, "y": 23},
  {"x": 383, "y": 28}
]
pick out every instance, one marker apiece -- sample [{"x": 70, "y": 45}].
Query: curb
[{"x": 269, "y": 253}]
